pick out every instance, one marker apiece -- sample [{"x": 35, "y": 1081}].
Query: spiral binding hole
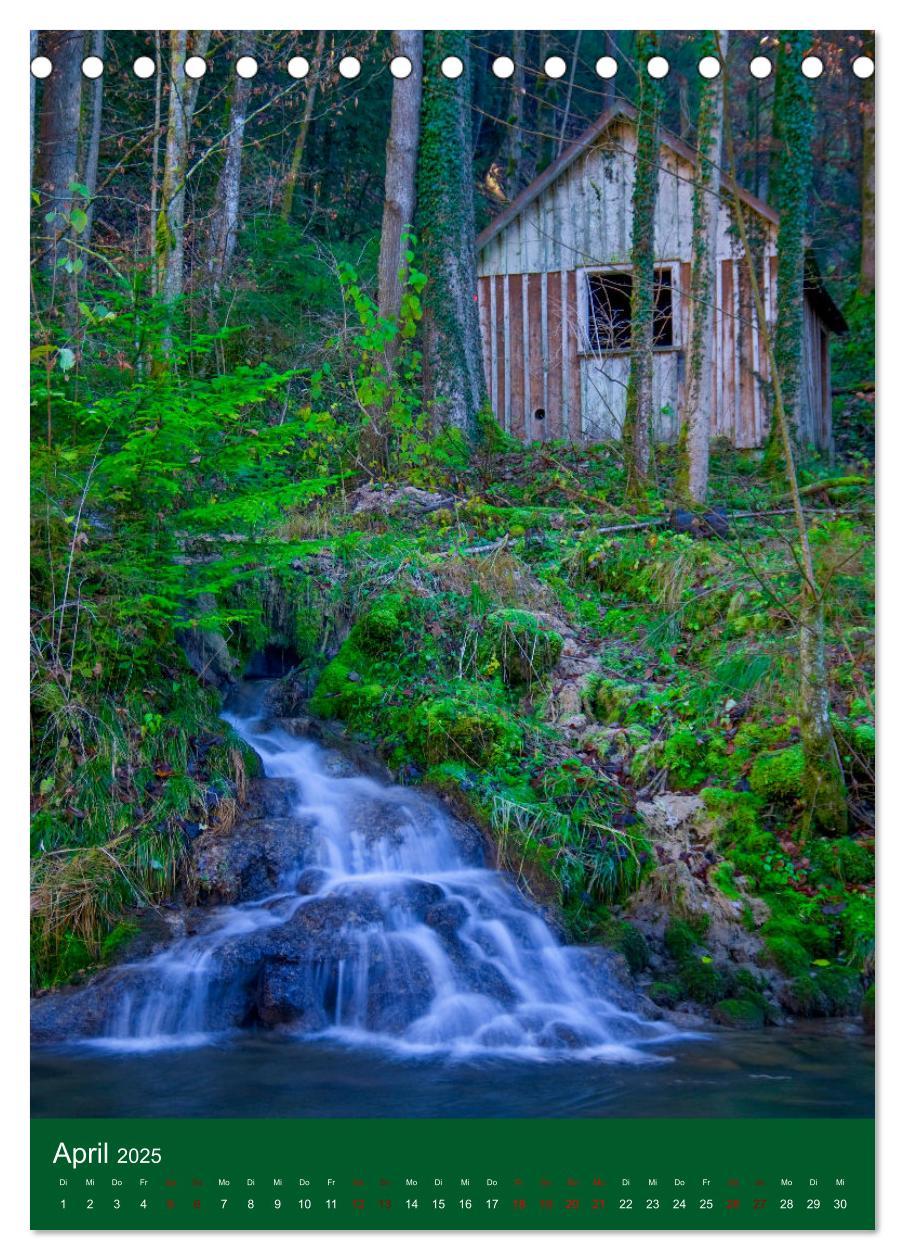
[
  {"x": 196, "y": 67},
  {"x": 503, "y": 67},
  {"x": 41, "y": 67},
  {"x": 350, "y": 67},
  {"x": 246, "y": 67},
  {"x": 143, "y": 67},
  {"x": 400, "y": 67},
  {"x": 452, "y": 67},
  {"x": 761, "y": 67},
  {"x": 297, "y": 67},
  {"x": 606, "y": 67},
  {"x": 658, "y": 67}
]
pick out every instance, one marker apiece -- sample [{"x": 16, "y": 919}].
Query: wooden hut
[{"x": 554, "y": 290}]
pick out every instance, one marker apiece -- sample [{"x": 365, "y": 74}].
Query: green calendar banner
[{"x": 452, "y": 1174}]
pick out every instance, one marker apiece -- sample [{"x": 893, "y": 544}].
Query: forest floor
[{"x": 610, "y": 694}]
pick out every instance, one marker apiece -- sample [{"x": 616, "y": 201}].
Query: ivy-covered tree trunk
[
  {"x": 298, "y": 150},
  {"x": 824, "y": 781},
  {"x": 401, "y": 168},
  {"x": 640, "y": 399},
  {"x": 170, "y": 245},
  {"x": 790, "y": 182},
  {"x": 697, "y": 409},
  {"x": 93, "y": 147},
  {"x": 453, "y": 365},
  {"x": 56, "y": 166},
  {"x": 225, "y": 219}
]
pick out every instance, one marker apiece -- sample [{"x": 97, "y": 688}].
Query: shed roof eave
[{"x": 620, "y": 109}]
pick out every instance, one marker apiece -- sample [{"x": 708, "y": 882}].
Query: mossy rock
[
  {"x": 779, "y": 776},
  {"x": 701, "y": 981},
  {"x": 632, "y": 945},
  {"x": 829, "y": 991},
  {"x": 341, "y": 691},
  {"x": 868, "y": 1009},
  {"x": 681, "y": 939},
  {"x": 665, "y": 993},
  {"x": 791, "y": 958},
  {"x": 737, "y": 817},
  {"x": 738, "y": 1013},
  {"x": 380, "y": 628},
  {"x": 525, "y": 650},
  {"x": 453, "y": 729},
  {"x": 612, "y": 701}
]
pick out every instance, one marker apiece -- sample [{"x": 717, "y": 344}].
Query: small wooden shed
[{"x": 554, "y": 288}]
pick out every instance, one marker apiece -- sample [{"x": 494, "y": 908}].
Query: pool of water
[{"x": 806, "y": 1071}]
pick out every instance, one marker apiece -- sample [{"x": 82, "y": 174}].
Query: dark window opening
[{"x": 610, "y": 310}]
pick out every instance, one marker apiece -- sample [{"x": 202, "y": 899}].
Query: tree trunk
[
  {"x": 304, "y": 126},
  {"x": 608, "y": 86},
  {"x": 867, "y": 277},
  {"x": 790, "y": 182},
  {"x": 93, "y": 149},
  {"x": 824, "y": 780},
  {"x": 453, "y": 365},
  {"x": 515, "y": 158},
  {"x": 225, "y": 220},
  {"x": 32, "y": 89},
  {"x": 697, "y": 410},
  {"x": 401, "y": 168},
  {"x": 639, "y": 401},
  {"x": 170, "y": 260},
  {"x": 155, "y": 155},
  {"x": 57, "y": 159}
]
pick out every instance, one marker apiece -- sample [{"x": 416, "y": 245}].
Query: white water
[{"x": 403, "y": 942}]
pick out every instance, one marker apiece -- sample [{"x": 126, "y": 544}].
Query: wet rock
[
  {"x": 682, "y": 819},
  {"x": 255, "y": 859},
  {"x": 270, "y": 798}
]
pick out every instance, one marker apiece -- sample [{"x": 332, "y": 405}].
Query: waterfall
[{"x": 384, "y": 928}]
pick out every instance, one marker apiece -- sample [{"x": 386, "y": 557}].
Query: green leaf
[
  {"x": 79, "y": 219},
  {"x": 821, "y": 962},
  {"x": 66, "y": 359}
]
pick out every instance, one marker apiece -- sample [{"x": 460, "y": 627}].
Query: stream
[{"x": 374, "y": 965}]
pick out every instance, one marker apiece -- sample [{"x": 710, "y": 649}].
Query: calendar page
[{"x": 452, "y": 675}]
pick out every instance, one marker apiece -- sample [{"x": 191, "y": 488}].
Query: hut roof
[{"x": 619, "y": 110}]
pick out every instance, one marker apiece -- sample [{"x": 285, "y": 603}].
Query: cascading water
[{"x": 384, "y": 928}]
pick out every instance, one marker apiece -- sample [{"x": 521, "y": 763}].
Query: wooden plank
[
  {"x": 534, "y": 325},
  {"x": 500, "y": 409},
  {"x": 516, "y": 358},
  {"x": 484, "y": 318},
  {"x": 572, "y": 315},
  {"x": 507, "y": 353},
  {"x": 553, "y": 352},
  {"x": 493, "y": 379}
]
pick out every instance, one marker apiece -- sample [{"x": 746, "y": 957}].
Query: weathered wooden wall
[{"x": 544, "y": 381}]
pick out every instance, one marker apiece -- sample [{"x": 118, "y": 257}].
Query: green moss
[
  {"x": 788, "y": 955},
  {"x": 825, "y": 992},
  {"x": 701, "y": 981},
  {"x": 738, "y": 1013},
  {"x": 380, "y": 627},
  {"x": 525, "y": 651},
  {"x": 779, "y": 776},
  {"x": 843, "y": 860},
  {"x": 633, "y": 947},
  {"x": 665, "y": 993},
  {"x": 681, "y": 939},
  {"x": 115, "y": 940},
  {"x": 457, "y": 728}
]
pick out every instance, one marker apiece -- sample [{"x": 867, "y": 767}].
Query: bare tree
[
  {"x": 694, "y": 437},
  {"x": 298, "y": 151},
  {"x": 56, "y": 167},
  {"x": 867, "y": 275},
  {"x": 170, "y": 244},
  {"x": 401, "y": 168},
  {"x": 93, "y": 147},
  {"x": 225, "y": 218}
]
